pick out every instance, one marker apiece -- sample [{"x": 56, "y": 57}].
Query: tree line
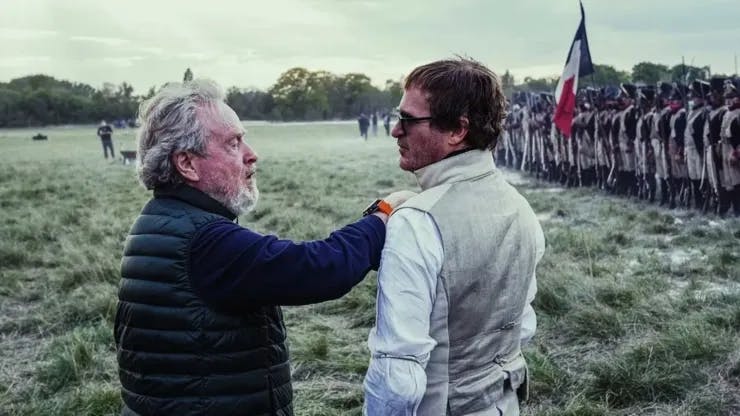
[
  {"x": 298, "y": 94},
  {"x": 41, "y": 100}
]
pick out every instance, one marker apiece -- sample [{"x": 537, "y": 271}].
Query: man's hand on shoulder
[
  {"x": 397, "y": 198},
  {"x": 394, "y": 199}
]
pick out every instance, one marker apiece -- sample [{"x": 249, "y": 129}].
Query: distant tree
[
  {"x": 41, "y": 100},
  {"x": 36, "y": 82},
  {"x": 109, "y": 89},
  {"x": 250, "y": 104},
  {"x": 334, "y": 93},
  {"x": 11, "y": 113},
  {"x": 539, "y": 84},
  {"x": 394, "y": 91},
  {"x": 188, "y": 75},
  {"x": 650, "y": 73},
  {"x": 356, "y": 89},
  {"x": 326, "y": 91},
  {"x": 125, "y": 91},
  {"x": 298, "y": 96},
  {"x": 36, "y": 107},
  {"x": 605, "y": 75}
]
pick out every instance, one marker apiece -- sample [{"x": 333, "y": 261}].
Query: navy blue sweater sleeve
[{"x": 234, "y": 268}]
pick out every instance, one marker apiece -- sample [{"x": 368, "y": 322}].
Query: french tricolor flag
[{"x": 577, "y": 64}]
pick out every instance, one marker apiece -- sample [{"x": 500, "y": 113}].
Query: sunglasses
[{"x": 406, "y": 120}]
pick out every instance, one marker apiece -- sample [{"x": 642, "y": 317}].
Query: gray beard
[{"x": 242, "y": 203}]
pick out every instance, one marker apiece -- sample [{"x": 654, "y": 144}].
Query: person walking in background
[
  {"x": 364, "y": 123},
  {"x": 198, "y": 328},
  {"x": 374, "y": 120},
  {"x": 105, "y": 132},
  {"x": 387, "y": 123},
  {"x": 457, "y": 273}
]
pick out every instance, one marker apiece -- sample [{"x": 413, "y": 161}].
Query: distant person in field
[
  {"x": 105, "y": 132},
  {"x": 364, "y": 123},
  {"x": 374, "y": 123},
  {"x": 199, "y": 329},
  {"x": 387, "y": 123},
  {"x": 457, "y": 273}
]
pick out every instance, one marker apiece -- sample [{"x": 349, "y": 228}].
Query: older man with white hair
[{"x": 199, "y": 330}]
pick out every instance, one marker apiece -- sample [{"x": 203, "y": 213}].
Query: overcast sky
[{"x": 248, "y": 43}]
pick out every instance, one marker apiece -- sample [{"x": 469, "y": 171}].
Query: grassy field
[{"x": 638, "y": 307}]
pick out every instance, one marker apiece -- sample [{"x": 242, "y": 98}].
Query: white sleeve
[
  {"x": 400, "y": 343},
  {"x": 529, "y": 318}
]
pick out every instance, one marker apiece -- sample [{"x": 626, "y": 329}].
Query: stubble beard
[{"x": 422, "y": 157}]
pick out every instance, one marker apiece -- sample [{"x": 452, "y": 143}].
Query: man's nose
[
  {"x": 397, "y": 130},
  {"x": 250, "y": 156}
]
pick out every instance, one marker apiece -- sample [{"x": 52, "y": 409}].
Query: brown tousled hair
[{"x": 462, "y": 87}]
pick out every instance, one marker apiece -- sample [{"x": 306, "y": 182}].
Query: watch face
[{"x": 371, "y": 208}]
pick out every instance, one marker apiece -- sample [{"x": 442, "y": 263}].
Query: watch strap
[
  {"x": 378, "y": 205},
  {"x": 385, "y": 207}
]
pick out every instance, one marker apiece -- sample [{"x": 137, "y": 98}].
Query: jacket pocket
[{"x": 476, "y": 390}]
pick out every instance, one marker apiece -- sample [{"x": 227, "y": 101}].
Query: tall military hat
[
  {"x": 581, "y": 95},
  {"x": 610, "y": 92},
  {"x": 717, "y": 84},
  {"x": 646, "y": 94},
  {"x": 595, "y": 96},
  {"x": 665, "y": 90},
  {"x": 592, "y": 94},
  {"x": 628, "y": 90},
  {"x": 699, "y": 89},
  {"x": 732, "y": 88}
]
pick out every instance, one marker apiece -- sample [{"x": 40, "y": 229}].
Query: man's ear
[
  {"x": 457, "y": 136},
  {"x": 183, "y": 162}
]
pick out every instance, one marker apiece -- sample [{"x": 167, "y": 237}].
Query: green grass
[{"x": 638, "y": 307}]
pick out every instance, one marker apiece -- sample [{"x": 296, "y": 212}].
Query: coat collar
[
  {"x": 194, "y": 197},
  {"x": 455, "y": 168}
]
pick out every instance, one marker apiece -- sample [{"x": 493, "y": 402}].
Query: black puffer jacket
[{"x": 176, "y": 355}]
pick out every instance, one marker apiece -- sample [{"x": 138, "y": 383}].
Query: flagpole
[{"x": 577, "y": 64}]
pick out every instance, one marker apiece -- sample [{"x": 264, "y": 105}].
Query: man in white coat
[{"x": 457, "y": 274}]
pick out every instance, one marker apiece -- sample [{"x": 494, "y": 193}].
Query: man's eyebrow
[{"x": 404, "y": 113}]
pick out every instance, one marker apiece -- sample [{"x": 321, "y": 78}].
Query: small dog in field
[{"x": 129, "y": 156}]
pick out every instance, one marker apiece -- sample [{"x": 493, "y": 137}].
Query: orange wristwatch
[{"x": 378, "y": 205}]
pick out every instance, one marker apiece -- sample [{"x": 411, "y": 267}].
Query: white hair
[{"x": 170, "y": 124}]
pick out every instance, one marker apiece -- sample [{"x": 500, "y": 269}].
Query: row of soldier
[{"x": 675, "y": 144}]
